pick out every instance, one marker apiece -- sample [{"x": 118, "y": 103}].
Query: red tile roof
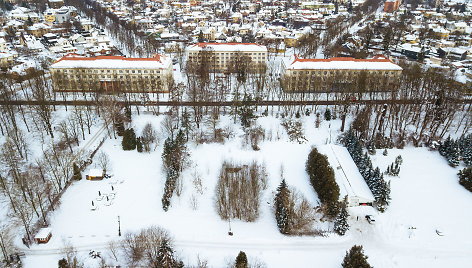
[
  {"x": 73, "y": 56},
  {"x": 231, "y": 44},
  {"x": 375, "y": 59}
]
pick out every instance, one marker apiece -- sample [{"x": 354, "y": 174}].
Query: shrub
[
  {"x": 294, "y": 130},
  {"x": 151, "y": 247}
]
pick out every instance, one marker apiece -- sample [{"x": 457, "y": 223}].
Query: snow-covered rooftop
[
  {"x": 112, "y": 62},
  {"x": 43, "y": 233},
  {"x": 348, "y": 177},
  {"x": 379, "y": 63},
  {"x": 95, "y": 172},
  {"x": 228, "y": 47}
]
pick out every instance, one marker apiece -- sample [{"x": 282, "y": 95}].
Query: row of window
[
  {"x": 230, "y": 53},
  {"x": 95, "y": 71},
  {"x": 110, "y": 76},
  {"x": 337, "y": 72}
]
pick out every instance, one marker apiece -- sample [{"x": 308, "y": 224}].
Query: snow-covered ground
[{"x": 426, "y": 197}]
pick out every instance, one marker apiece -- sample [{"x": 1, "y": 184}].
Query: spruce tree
[
  {"x": 139, "y": 145},
  {"x": 465, "y": 147},
  {"x": 355, "y": 258},
  {"x": 63, "y": 263},
  {"x": 453, "y": 154},
  {"x": 119, "y": 127},
  {"x": 465, "y": 178},
  {"x": 186, "y": 124},
  {"x": 165, "y": 255},
  {"x": 129, "y": 140},
  {"x": 340, "y": 224},
  {"x": 128, "y": 113},
  {"x": 246, "y": 112},
  {"x": 327, "y": 114},
  {"x": 241, "y": 260},
  {"x": 385, "y": 152},
  {"x": 282, "y": 208},
  {"x": 444, "y": 147},
  {"x": 322, "y": 179},
  {"x": 174, "y": 156}
]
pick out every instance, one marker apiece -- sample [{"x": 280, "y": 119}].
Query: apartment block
[
  {"x": 112, "y": 74},
  {"x": 227, "y": 57},
  {"x": 341, "y": 74}
]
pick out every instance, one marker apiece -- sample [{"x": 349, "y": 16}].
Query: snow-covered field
[{"x": 426, "y": 200}]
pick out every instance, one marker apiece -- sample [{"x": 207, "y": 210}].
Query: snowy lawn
[{"x": 425, "y": 196}]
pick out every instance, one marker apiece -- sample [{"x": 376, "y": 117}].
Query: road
[{"x": 231, "y": 103}]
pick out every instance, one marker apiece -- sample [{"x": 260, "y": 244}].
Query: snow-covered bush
[
  {"x": 148, "y": 138},
  {"x": 254, "y": 136},
  {"x": 151, "y": 247},
  {"x": 294, "y": 130}
]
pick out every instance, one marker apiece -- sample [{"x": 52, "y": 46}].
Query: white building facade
[
  {"x": 227, "y": 57},
  {"x": 112, "y": 74}
]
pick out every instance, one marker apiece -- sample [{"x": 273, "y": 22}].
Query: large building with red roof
[
  {"x": 227, "y": 57},
  {"x": 110, "y": 74},
  {"x": 340, "y": 74}
]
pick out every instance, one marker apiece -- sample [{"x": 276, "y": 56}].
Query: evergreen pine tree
[
  {"x": 119, "y": 127},
  {"x": 139, "y": 145},
  {"x": 241, "y": 260},
  {"x": 173, "y": 157},
  {"x": 453, "y": 154},
  {"x": 444, "y": 147},
  {"x": 327, "y": 114},
  {"x": 165, "y": 255},
  {"x": 340, "y": 224},
  {"x": 246, "y": 112},
  {"x": 63, "y": 263},
  {"x": 465, "y": 178},
  {"x": 185, "y": 123},
  {"x": 323, "y": 181},
  {"x": 129, "y": 140},
  {"x": 385, "y": 152},
  {"x": 128, "y": 113},
  {"x": 382, "y": 197},
  {"x": 282, "y": 208},
  {"x": 77, "y": 173},
  {"x": 355, "y": 258},
  {"x": 465, "y": 147}
]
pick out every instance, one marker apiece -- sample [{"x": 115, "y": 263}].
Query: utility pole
[{"x": 119, "y": 226}]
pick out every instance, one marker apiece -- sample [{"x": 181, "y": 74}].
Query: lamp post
[{"x": 119, "y": 226}]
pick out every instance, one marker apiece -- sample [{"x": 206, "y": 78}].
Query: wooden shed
[
  {"x": 95, "y": 174},
  {"x": 43, "y": 236}
]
